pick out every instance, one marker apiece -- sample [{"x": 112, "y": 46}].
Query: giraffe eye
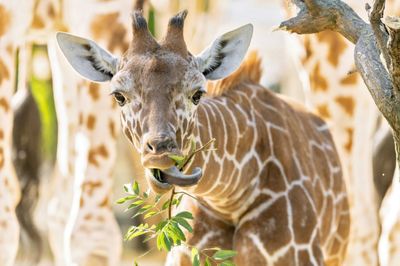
[
  {"x": 197, "y": 96},
  {"x": 121, "y": 100}
]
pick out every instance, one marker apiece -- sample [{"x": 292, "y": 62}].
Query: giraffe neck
[{"x": 233, "y": 127}]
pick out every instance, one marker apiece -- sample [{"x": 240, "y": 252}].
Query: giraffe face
[
  {"x": 159, "y": 93},
  {"x": 159, "y": 86}
]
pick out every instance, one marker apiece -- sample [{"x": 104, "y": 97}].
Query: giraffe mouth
[{"x": 173, "y": 176}]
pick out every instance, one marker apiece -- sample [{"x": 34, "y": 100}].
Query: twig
[
  {"x": 170, "y": 202},
  {"x": 190, "y": 157}
]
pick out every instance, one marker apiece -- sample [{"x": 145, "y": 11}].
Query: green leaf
[
  {"x": 226, "y": 263},
  {"x": 135, "y": 234},
  {"x": 135, "y": 204},
  {"x": 157, "y": 198},
  {"x": 165, "y": 205},
  {"x": 127, "y": 188},
  {"x": 185, "y": 214},
  {"x": 123, "y": 200},
  {"x": 135, "y": 188},
  {"x": 179, "y": 160},
  {"x": 167, "y": 241},
  {"x": 174, "y": 234},
  {"x": 146, "y": 193},
  {"x": 150, "y": 214},
  {"x": 163, "y": 242},
  {"x": 183, "y": 223},
  {"x": 135, "y": 263},
  {"x": 161, "y": 225},
  {"x": 195, "y": 257},
  {"x": 160, "y": 241},
  {"x": 174, "y": 227},
  {"x": 147, "y": 207},
  {"x": 224, "y": 254},
  {"x": 139, "y": 212},
  {"x": 207, "y": 262},
  {"x": 157, "y": 173},
  {"x": 179, "y": 200}
]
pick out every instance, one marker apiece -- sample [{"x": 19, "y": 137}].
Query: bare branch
[
  {"x": 380, "y": 37},
  {"x": 375, "y": 18},
  {"x": 325, "y": 15}
]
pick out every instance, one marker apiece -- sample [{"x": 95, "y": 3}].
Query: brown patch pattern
[
  {"x": 5, "y": 20},
  {"x": 350, "y": 79},
  {"x": 336, "y": 45},
  {"x": 318, "y": 81},
  {"x": 4, "y": 73},
  {"x": 323, "y": 111},
  {"x": 90, "y": 186},
  {"x": 308, "y": 50},
  {"x": 2, "y": 159},
  {"x": 347, "y": 103},
  {"x": 107, "y": 27},
  {"x": 94, "y": 91},
  {"x": 4, "y": 104},
  {"x": 349, "y": 145},
  {"x": 95, "y": 153},
  {"x": 91, "y": 122}
]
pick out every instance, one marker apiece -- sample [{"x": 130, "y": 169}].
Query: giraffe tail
[{"x": 26, "y": 148}]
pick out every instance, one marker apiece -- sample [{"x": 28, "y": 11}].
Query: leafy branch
[{"x": 169, "y": 232}]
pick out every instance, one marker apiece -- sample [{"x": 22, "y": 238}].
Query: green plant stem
[
  {"x": 190, "y": 157},
  {"x": 170, "y": 202},
  {"x": 187, "y": 194}
]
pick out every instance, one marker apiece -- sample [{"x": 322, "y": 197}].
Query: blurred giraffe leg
[
  {"x": 88, "y": 128},
  {"x": 9, "y": 188}
]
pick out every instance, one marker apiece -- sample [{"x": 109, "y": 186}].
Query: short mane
[{"x": 249, "y": 71}]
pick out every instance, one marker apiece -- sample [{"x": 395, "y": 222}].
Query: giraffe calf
[{"x": 273, "y": 189}]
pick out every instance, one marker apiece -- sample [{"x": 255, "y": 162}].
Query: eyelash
[
  {"x": 197, "y": 96},
  {"x": 119, "y": 98}
]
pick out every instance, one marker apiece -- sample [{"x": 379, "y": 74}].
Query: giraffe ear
[
  {"x": 87, "y": 58},
  {"x": 226, "y": 53}
]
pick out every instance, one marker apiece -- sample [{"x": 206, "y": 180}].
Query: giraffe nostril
[
  {"x": 171, "y": 146},
  {"x": 150, "y": 147}
]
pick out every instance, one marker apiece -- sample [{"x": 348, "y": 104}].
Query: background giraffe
[
  {"x": 10, "y": 27},
  {"x": 87, "y": 136},
  {"x": 82, "y": 226},
  {"x": 340, "y": 97}
]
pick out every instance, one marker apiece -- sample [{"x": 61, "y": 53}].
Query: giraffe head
[{"x": 158, "y": 86}]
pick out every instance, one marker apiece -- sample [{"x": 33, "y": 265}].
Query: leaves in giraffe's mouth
[
  {"x": 158, "y": 175},
  {"x": 175, "y": 175}
]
